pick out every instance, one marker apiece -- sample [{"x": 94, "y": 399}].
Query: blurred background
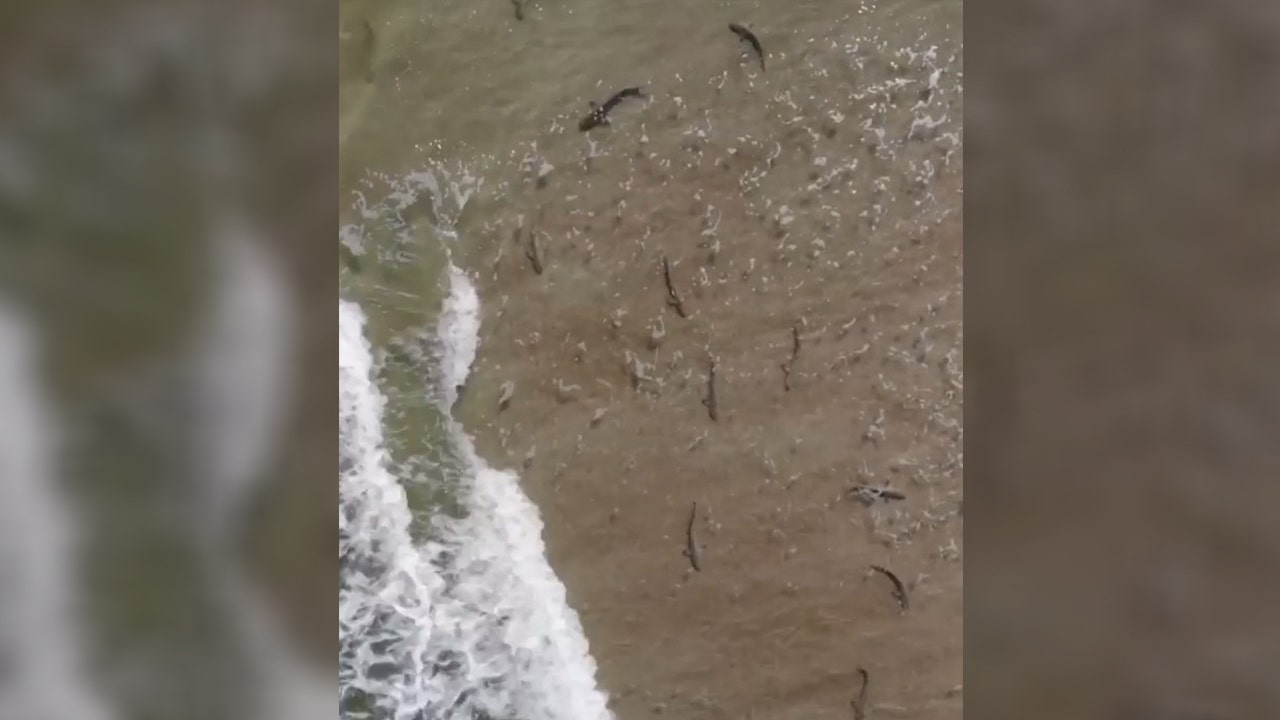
[
  {"x": 1122, "y": 167},
  {"x": 167, "y": 527}
]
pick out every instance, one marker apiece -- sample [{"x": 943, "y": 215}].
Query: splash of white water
[
  {"x": 458, "y": 335},
  {"x": 473, "y": 621},
  {"x": 544, "y": 630}
]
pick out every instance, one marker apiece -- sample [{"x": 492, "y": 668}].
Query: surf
[{"x": 470, "y": 622}]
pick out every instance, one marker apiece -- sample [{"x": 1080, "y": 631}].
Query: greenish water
[{"x": 400, "y": 286}]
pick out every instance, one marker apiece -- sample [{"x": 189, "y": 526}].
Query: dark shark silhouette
[
  {"x": 750, "y": 38},
  {"x": 599, "y": 114}
]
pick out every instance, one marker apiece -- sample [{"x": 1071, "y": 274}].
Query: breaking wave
[{"x": 470, "y": 622}]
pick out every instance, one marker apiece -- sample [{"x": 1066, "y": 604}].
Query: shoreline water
[
  {"x": 478, "y": 604},
  {"x": 566, "y": 686},
  {"x": 823, "y": 197}
]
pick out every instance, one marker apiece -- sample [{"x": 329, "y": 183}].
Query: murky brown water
[{"x": 825, "y": 188}]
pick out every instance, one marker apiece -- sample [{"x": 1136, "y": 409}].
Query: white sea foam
[
  {"x": 473, "y": 620},
  {"x": 40, "y": 630},
  {"x": 458, "y": 335},
  {"x": 556, "y": 668}
]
